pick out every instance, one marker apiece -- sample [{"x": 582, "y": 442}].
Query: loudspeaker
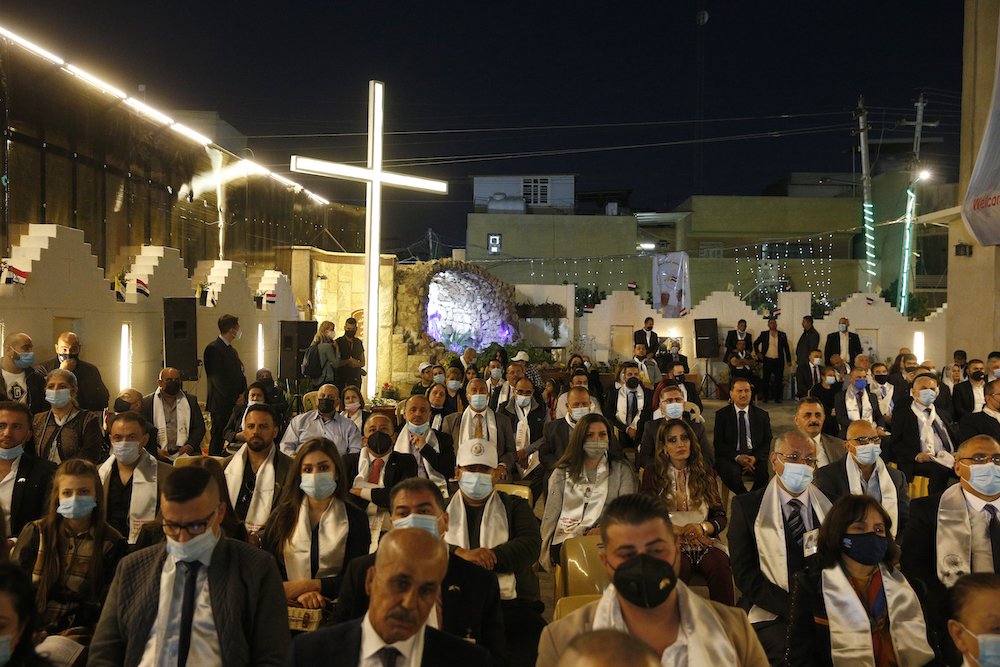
[
  {"x": 180, "y": 335},
  {"x": 296, "y": 336},
  {"x": 706, "y": 338}
]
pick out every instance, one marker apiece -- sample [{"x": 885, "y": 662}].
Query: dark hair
[
  {"x": 648, "y": 319},
  {"x": 230, "y": 523},
  {"x": 741, "y": 321},
  {"x": 186, "y": 483},
  {"x": 847, "y": 510},
  {"x": 699, "y": 480},
  {"x": 258, "y": 385},
  {"x": 995, "y": 354},
  {"x": 261, "y": 407},
  {"x": 16, "y": 583},
  {"x": 129, "y": 417},
  {"x": 16, "y": 406},
  {"x": 354, "y": 388},
  {"x": 627, "y": 364},
  {"x": 808, "y": 318},
  {"x": 580, "y": 372},
  {"x": 227, "y": 322},
  {"x": 959, "y": 594},
  {"x": 976, "y": 361},
  {"x": 573, "y": 458},
  {"x": 633, "y": 509},
  {"x": 809, "y": 400},
  {"x": 960, "y": 354},
  {"x": 877, "y": 364},
  {"x": 737, "y": 380},
  {"x": 351, "y": 320},
  {"x": 417, "y": 485}
]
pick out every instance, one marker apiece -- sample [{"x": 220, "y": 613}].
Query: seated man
[
  {"x": 129, "y": 400},
  {"x": 742, "y": 440},
  {"x": 256, "y": 395},
  {"x": 809, "y": 374},
  {"x": 671, "y": 407},
  {"x": 24, "y": 478},
  {"x": 323, "y": 422},
  {"x": 470, "y": 595},
  {"x": 528, "y": 417},
  {"x": 190, "y": 600},
  {"x": 922, "y": 442},
  {"x": 864, "y": 471},
  {"x": 405, "y": 584},
  {"x": 479, "y": 422},
  {"x": 742, "y": 365},
  {"x": 987, "y": 421},
  {"x": 176, "y": 415},
  {"x": 858, "y": 402},
  {"x": 500, "y": 533},
  {"x": 275, "y": 396},
  {"x": 426, "y": 374},
  {"x": 689, "y": 391},
  {"x": 580, "y": 378},
  {"x": 256, "y": 473},
  {"x": 20, "y": 381},
  {"x": 631, "y": 407},
  {"x": 433, "y": 450},
  {"x": 647, "y": 601},
  {"x": 649, "y": 372},
  {"x": 884, "y": 390},
  {"x": 772, "y": 532},
  {"x": 810, "y": 414},
  {"x": 555, "y": 434}
]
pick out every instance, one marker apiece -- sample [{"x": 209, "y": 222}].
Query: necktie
[
  {"x": 994, "y": 534},
  {"x": 187, "y": 609},
  {"x": 632, "y": 409},
  {"x": 941, "y": 434},
  {"x": 388, "y": 656},
  {"x": 421, "y": 470},
  {"x": 815, "y": 375},
  {"x": 743, "y": 446},
  {"x": 479, "y": 427},
  {"x": 375, "y": 476},
  {"x": 861, "y": 406},
  {"x": 796, "y": 527}
]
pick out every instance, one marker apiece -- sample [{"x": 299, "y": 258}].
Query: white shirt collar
[
  {"x": 977, "y": 504},
  {"x": 786, "y": 496},
  {"x": 371, "y": 643},
  {"x": 228, "y": 344}
]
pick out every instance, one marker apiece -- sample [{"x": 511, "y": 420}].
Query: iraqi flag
[
  {"x": 632, "y": 285},
  {"x": 15, "y": 276},
  {"x": 141, "y": 287},
  {"x": 271, "y": 297}
]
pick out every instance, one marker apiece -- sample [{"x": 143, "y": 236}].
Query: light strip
[
  {"x": 95, "y": 82},
  {"x": 191, "y": 134},
  {"x": 373, "y": 236},
  {"x": 125, "y": 358},
  {"x": 260, "y": 344},
  {"x": 868, "y": 210},
  {"x": 316, "y": 198},
  {"x": 315, "y": 167},
  {"x": 149, "y": 111},
  {"x": 904, "y": 270},
  {"x": 34, "y": 48}
]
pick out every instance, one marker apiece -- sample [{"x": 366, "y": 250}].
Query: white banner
[
  {"x": 671, "y": 284},
  {"x": 981, "y": 207}
]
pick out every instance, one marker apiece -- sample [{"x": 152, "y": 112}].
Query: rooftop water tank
[{"x": 500, "y": 202}]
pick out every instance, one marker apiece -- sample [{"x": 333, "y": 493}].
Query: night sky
[{"x": 302, "y": 68}]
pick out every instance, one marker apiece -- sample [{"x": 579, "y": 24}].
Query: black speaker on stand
[
  {"x": 296, "y": 337},
  {"x": 180, "y": 335},
  {"x": 706, "y": 345}
]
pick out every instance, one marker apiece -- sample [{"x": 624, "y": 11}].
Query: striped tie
[{"x": 796, "y": 527}]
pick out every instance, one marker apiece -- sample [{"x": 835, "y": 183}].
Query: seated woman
[
  {"x": 974, "y": 624},
  {"x": 471, "y": 373},
  {"x": 313, "y": 533},
  {"x": 256, "y": 393},
  {"x": 71, "y": 553},
  {"x": 826, "y": 391},
  {"x": 690, "y": 489},
  {"x": 354, "y": 407},
  {"x": 437, "y": 395},
  {"x": 584, "y": 480},
  {"x": 550, "y": 397},
  {"x": 851, "y": 605},
  {"x": 18, "y": 618},
  {"x": 65, "y": 431},
  {"x": 454, "y": 398}
]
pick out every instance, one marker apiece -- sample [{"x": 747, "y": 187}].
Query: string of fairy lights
[{"x": 772, "y": 266}]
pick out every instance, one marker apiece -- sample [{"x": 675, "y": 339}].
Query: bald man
[
  {"x": 180, "y": 425},
  {"x": 403, "y": 586},
  {"x": 91, "y": 392},
  {"x": 20, "y": 381}
]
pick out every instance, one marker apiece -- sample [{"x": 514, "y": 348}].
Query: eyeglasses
[
  {"x": 868, "y": 440},
  {"x": 192, "y": 528},
  {"x": 979, "y": 459},
  {"x": 794, "y": 458}
]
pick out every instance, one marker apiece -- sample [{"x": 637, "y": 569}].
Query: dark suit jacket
[
  {"x": 398, "y": 467},
  {"x": 506, "y": 450},
  {"x": 978, "y": 423},
  {"x": 248, "y": 603},
  {"x": 30, "y": 498},
  {"x": 963, "y": 400},
  {"x": 832, "y": 346},
  {"x": 808, "y": 341},
  {"x": 282, "y": 463},
  {"x": 665, "y": 362},
  {"x": 196, "y": 429},
  {"x": 536, "y": 418},
  {"x": 470, "y": 602},
  {"x": 731, "y": 341},
  {"x": 763, "y": 343},
  {"x": 918, "y": 561},
  {"x": 843, "y": 420},
  {"x": 654, "y": 341},
  {"x": 555, "y": 439},
  {"x": 91, "y": 393},
  {"x": 645, "y": 416},
  {"x": 35, "y": 381},
  {"x": 340, "y": 646},
  {"x": 831, "y": 479},
  {"x": 726, "y": 433},
  {"x": 804, "y": 378},
  {"x": 224, "y": 372},
  {"x": 904, "y": 443}
]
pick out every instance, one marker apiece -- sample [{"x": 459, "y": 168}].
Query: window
[
  {"x": 535, "y": 191},
  {"x": 711, "y": 249}
]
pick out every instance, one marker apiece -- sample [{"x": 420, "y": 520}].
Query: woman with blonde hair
[{"x": 329, "y": 354}]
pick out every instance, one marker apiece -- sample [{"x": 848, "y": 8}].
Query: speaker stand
[
  {"x": 296, "y": 404},
  {"x": 706, "y": 379}
]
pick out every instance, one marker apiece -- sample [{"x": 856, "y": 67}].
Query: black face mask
[
  {"x": 379, "y": 443},
  {"x": 121, "y": 405},
  {"x": 632, "y": 383},
  {"x": 350, "y": 333},
  {"x": 171, "y": 387},
  {"x": 978, "y": 376},
  {"x": 881, "y": 379},
  {"x": 910, "y": 369},
  {"x": 326, "y": 405},
  {"x": 67, "y": 357},
  {"x": 645, "y": 581},
  {"x": 680, "y": 378},
  {"x": 267, "y": 382}
]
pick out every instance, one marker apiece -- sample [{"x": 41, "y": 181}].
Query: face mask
[
  {"x": 239, "y": 334},
  {"x": 352, "y": 407},
  {"x": 829, "y": 380},
  {"x": 645, "y": 581},
  {"x": 249, "y": 403},
  {"x": 126, "y": 452},
  {"x": 122, "y": 405},
  {"x": 76, "y": 507},
  {"x": 595, "y": 449},
  {"x": 910, "y": 369},
  {"x": 579, "y": 413},
  {"x": 587, "y": 365},
  {"x": 58, "y": 398},
  {"x": 25, "y": 360},
  {"x": 379, "y": 443},
  {"x": 173, "y": 387},
  {"x": 11, "y": 454},
  {"x": 632, "y": 383},
  {"x": 318, "y": 485},
  {"x": 978, "y": 376},
  {"x": 197, "y": 548},
  {"x": 673, "y": 410},
  {"x": 817, "y": 361},
  {"x": 67, "y": 357},
  {"x": 679, "y": 379},
  {"x": 867, "y": 455},
  {"x": 418, "y": 429},
  {"x": 350, "y": 333},
  {"x": 989, "y": 649},
  {"x": 796, "y": 477},
  {"x": 478, "y": 401},
  {"x": 523, "y": 401},
  {"x": 496, "y": 373},
  {"x": 5, "y": 651},
  {"x": 860, "y": 384},
  {"x": 423, "y": 521},
  {"x": 881, "y": 379},
  {"x": 841, "y": 328},
  {"x": 985, "y": 478},
  {"x": 996, "y": 373},
  {"x": 476, "y": 485},
  {"x": 267, "y": 382},
  {"x": 326, "y": 405},
  {"x": 927, "y": 396},
  {"x": 675, "y": 350},
  {"x": 866, "y": 548},
  {"x": 454, "y": 385},
  {"x": 439, "y": 379}
]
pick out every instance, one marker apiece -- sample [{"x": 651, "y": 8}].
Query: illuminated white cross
[{"x": 374, "y": 178}]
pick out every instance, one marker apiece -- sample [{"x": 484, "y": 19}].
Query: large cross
[{"x": 374, "y": 178}]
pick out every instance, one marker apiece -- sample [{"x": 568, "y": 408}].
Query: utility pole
[
  {"x": 867, "y": 206},
  {"x": 918, "y": 126}
]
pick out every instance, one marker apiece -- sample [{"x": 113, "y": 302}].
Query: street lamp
[{"x": 911, "y": 207}]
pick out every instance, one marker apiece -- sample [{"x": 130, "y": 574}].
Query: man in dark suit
[
  {"x": 91, "y": 392},
  {"x": 647, "y": 337},
  {"x": 404, "y": 585},
  {"x": 809, "y": 374},
  {"x": 856, "y": 402},
  {"x": 385, "y": 467},
  {"x": 916, "y": 441},
  {"x": 631, "y": 407},
  {"x": 671, "y": 405},
  {"x": 808, "y": 341},
  {"x": 688, "y": 390},
  {"x": 742, "y": 440},
  {"x": 670, "y": 356},
  {"x": 26, "y": 497},
  {"x": 352, "y": 356},
  {"x": 764, "y": 565},
  {"x": 227, "y": 384},
  {"x": 28, "y": 383},
  {"x": 470, "y": 596},
  {"x": 180, "y": 431},
  {"x": 987, "y": 421},
  {"x": 527, "y": 417},
  {"x": 967, "y": 397},
  {"x": 772, "y": 349},
  {"x": 737, "y": 334},
  {"x": 555, "y": 434},
  {"x": 246, "y": 621},
  {"x": 843, "y": 342}
]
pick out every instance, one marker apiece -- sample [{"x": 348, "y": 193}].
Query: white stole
[
  {"x": 769, "y": 531},
  {"x": 885, "y": 486},
  {"x": 929, "y": 441},
  {"x": 263, "y": 490},
  {"x": 851, "y": 402},
  {"x": 333, "y": 529},
  {"x": 377, "y": 516},
  {"x": 142, "y": 506},
  {"x": 622, "y": 408},
  {"x": 403, "y": 446},
  {"x": 583, "y": 503},
  {"x": 522, "y": 437},
  {"x": 493, "y": 531},
  {"x": 183, "y": 419},
  {"x": 467, "y": 430},
  {"x": 954, "y": 536},
  {"x": 850, "y": 630}
]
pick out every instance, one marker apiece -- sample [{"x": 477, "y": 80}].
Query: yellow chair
[
  {"x": 566, "y": 606},
  {"x": 188, "y": 460},
  {"x": 583, "y": 570},
  {"x": 919, "y": 487},
  {"x": 520, "y": 490},
  {"x": 309, "y": 400}
]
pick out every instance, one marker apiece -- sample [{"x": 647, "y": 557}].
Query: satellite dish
[{"x": 701, "y": 17}]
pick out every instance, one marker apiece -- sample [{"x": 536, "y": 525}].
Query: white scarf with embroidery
[
  {"x": 885, "y": 487},
  {"x": 851, "y": 401},
  {"x": 333, "y": 529},
  {"x": 583, "y": 503},
  {"x": 467, "y": 430},
  {"x": 493, "y": 531},
  {"x": 263, "y": 490},
  {"x": 403, "y": 446},
  {"x": 142, "y": 506},
  {"x": 183, "y": 419},
  {"x": 522, "y": 435}
]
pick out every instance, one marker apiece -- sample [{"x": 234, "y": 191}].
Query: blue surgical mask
[
  {"x": 860, "y": 384},
  {"x": 476, "y": 485},
  {"x": 418, "y": 429},
  {"x": 796, "y": 477},
  {"x": 439, "y": 378},
  {"x": 867, "y": 454},
  {"x": 25, "y": 360},
  {"x": 58, "y": 398},
  {"x": 523, "y": 401},
  {"x": 579, "y": 413},
  {"x": 198, "y": 548},
  {"x": 126, "y": 452},
  {"x": 985, "y": 478},
  {"x": 842, "y": 328},
  {"x": 496, "y": 373},
  {"x": 424, "y": 521},
  {"x": 5, "y": 650},
  {"x": 989, "y": 649},
  {"x": 76, "y": 507},
  {"x": 927, "y": 396},
  {"x": 12, "y": 453},
  {"x": 454, "y": 385},
  {"x": 865, "y": 548},
  {"x": 829, "y": 380},
  {"x": 478, "y": 401},
  {"x": 673, "y": 410},
  {"x": 318, "y": 485},
  {"x": 996, "y": 373}
]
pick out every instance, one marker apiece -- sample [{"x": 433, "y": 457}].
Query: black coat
[
  {"x": 904, "y": 443},
  {"x": 763, "y": 343},
  {"x": 398, "y": 466},
  {"x": 804, "y": 378},
  {"x": 726, "y": 433},
  {"x": 844, "y": 420},
  {"x": 919, "y": 556},
  {"x": 30, "y": 498},
  {"x": 832, "y": 346},
  {"x": 645, "y": 415},
  {"x": 470, "y": 602},
  {"x": 963, "y": 401},
  {"x": 224, "y": 372},
  {"x": 640, "y": 337},
  {"x": 808, "y": 341},
  {"x": 731, "y": 341},
  {"x": 978, "y": 423},
  {"x": 831, "y": 479}
]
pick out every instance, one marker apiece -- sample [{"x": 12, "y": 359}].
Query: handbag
[{"x": 301, "y": 619}]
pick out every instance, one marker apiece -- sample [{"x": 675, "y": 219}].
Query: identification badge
[{"x": 810, "y": 543}]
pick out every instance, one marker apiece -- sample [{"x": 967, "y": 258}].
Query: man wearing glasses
[
  {"x": 864, "y": 472},
  {"x": 772, "y": 532},
  {"x": 197, "y": 596}
]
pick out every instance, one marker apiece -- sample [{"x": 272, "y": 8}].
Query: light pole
[{"x": 907, "y": 255}]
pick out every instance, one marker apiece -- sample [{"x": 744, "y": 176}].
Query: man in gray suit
[
  {"x": 809, "y": 416},
  {"x": 151, "y": 613},
  {"x": 478, "y": 421}
]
